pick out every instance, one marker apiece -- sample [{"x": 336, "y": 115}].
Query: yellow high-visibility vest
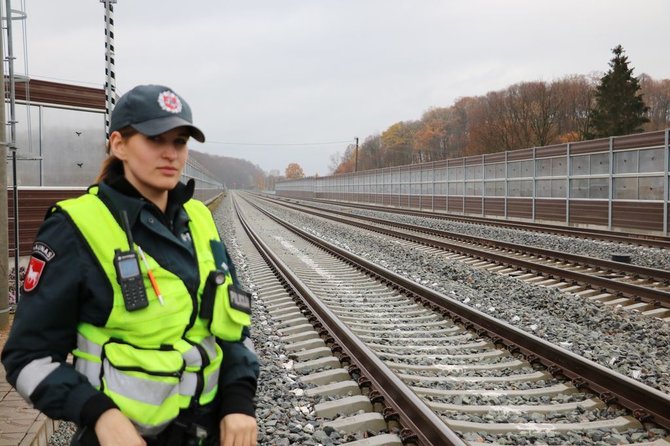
[{"x": 155, "y": 361}]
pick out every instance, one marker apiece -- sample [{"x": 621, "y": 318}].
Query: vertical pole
[
  {"x": 482, "y": 185},
  {"x": 40, "y": 132},
  {"x": 400, "y": 186},
  {"x": 665, "y": 183},
  {"x": 110, "y": 76},
  {"x": 463, "y": 172},
  {"x": 386, "y": 186},
  {"x": 12, "y": 141},
  {"x": 17, "y": 252},
  {"x": 567, "y": 186},
  {"x": 432, "y": 195},
  {"x": 611, "y": 185},
  {"x": 506, "y": 152},
  {"x": 4, "y": 260},
  {"x": 356, "y": 157},
  {"x": 534, "y": 191},
  {"x": 412, "y": 183},
  {"x": 446, "y": 182},
  {"x": 382, "y": 185}
]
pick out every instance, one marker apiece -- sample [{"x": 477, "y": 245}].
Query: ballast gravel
[
  {"x": 639, "y": 255},
  {"x": 634, "y": 345},
  {"x": 483, "y": 290}
]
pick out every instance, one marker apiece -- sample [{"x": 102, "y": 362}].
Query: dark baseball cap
[{"x": 152, "y": 110}]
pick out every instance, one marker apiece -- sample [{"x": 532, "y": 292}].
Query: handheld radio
[{"x": 128, "y": 273}]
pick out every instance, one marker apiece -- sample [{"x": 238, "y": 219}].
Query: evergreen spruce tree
[{"x": 619, "y": 108}]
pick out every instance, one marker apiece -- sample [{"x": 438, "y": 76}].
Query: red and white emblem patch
[
  {"x": 169, "y": 102},
  {"x": 33, "y": 273}
]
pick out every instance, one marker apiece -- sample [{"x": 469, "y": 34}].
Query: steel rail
[
  {"x": 646, "y": 403},
  {"x": 635, "y": 270},
  {"x": 635, "y": 292},
  {"x": 428, "y": 428}
]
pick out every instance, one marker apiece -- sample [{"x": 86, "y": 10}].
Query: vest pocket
[
  {"x": 145, "y": 384},
  {"x": 232, "y": 312}
]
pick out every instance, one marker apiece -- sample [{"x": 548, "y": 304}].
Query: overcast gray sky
[{"x": 315, "y": 71}]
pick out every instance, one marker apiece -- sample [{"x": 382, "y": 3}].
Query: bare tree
[{"x": 657, "y": 97}]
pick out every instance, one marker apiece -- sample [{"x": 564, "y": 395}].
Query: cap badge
[{"x": 169, "y": 102}]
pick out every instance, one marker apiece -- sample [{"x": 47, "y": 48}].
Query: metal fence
[{"x": 618, "y": 183}]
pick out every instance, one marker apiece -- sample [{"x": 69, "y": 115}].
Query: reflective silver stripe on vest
[
  {"x": 89, "y": 347},
  {"x": 90, "y": 370},
  {"x": 192, "y": 357},
  {"x": 33, "y": 374},
  {"x": 142, "y": 390},
  {"x": 212, "y": 381},
  {"x": 209, "y": 344},
  {"x": 188, "y": 384},
  {"x": 152, "y": 392}
]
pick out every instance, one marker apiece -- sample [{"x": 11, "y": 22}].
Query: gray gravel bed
[
  {"x": 472, "y": 373},
  {"x": 578, "y": 415},
  {"x": 285, "y": 415},
  {"x": 498, "y": 386},
  {"x": 602, "y": 437},
  {"x": 462, "y": 282},
  {"x": 634, "y": 345},
  {"x": 502, "y": 400},
  {"x": 411, "y": 342},
  {"x": 438, "y": 362},
  {"x": 643, "y": 256}
]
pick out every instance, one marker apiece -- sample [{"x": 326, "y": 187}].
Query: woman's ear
[{"x": 117, "y": 145}]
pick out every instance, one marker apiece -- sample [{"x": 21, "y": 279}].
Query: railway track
[
  {"x": 632, "y": 287},
  {"x": 413, "y": 366}
]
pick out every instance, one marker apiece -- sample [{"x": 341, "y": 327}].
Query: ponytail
[
  {"x": 109, "y": 165},
  {"x": 112, "y": 164}
]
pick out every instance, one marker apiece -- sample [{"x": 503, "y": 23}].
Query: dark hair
[{"x": 112, "y": 163}]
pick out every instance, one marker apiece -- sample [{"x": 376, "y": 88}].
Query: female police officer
[{"x": 132, "y": 279}]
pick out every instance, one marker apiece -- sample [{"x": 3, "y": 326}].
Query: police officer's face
[{"x": 153, "y": 164}]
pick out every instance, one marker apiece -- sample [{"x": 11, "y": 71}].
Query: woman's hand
[
  {"x": 114, "y": 428},
  {"x": 238, "y": 429}
]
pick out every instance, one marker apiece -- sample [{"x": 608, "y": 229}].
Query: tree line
[
  {"x": 234, "y": 173},
  {"x": 526, "y": 114}
]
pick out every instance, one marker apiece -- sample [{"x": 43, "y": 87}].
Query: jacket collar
[{"x": 120, "y": 195}]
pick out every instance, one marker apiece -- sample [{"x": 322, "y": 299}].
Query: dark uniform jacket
[{"x": 72, "y": 287}]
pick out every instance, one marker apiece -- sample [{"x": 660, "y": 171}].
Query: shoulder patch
[
  {"x": 41, "y": 255},
  {"x": 43, "y": 250},
  {"x": 33, "y": 273}
]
